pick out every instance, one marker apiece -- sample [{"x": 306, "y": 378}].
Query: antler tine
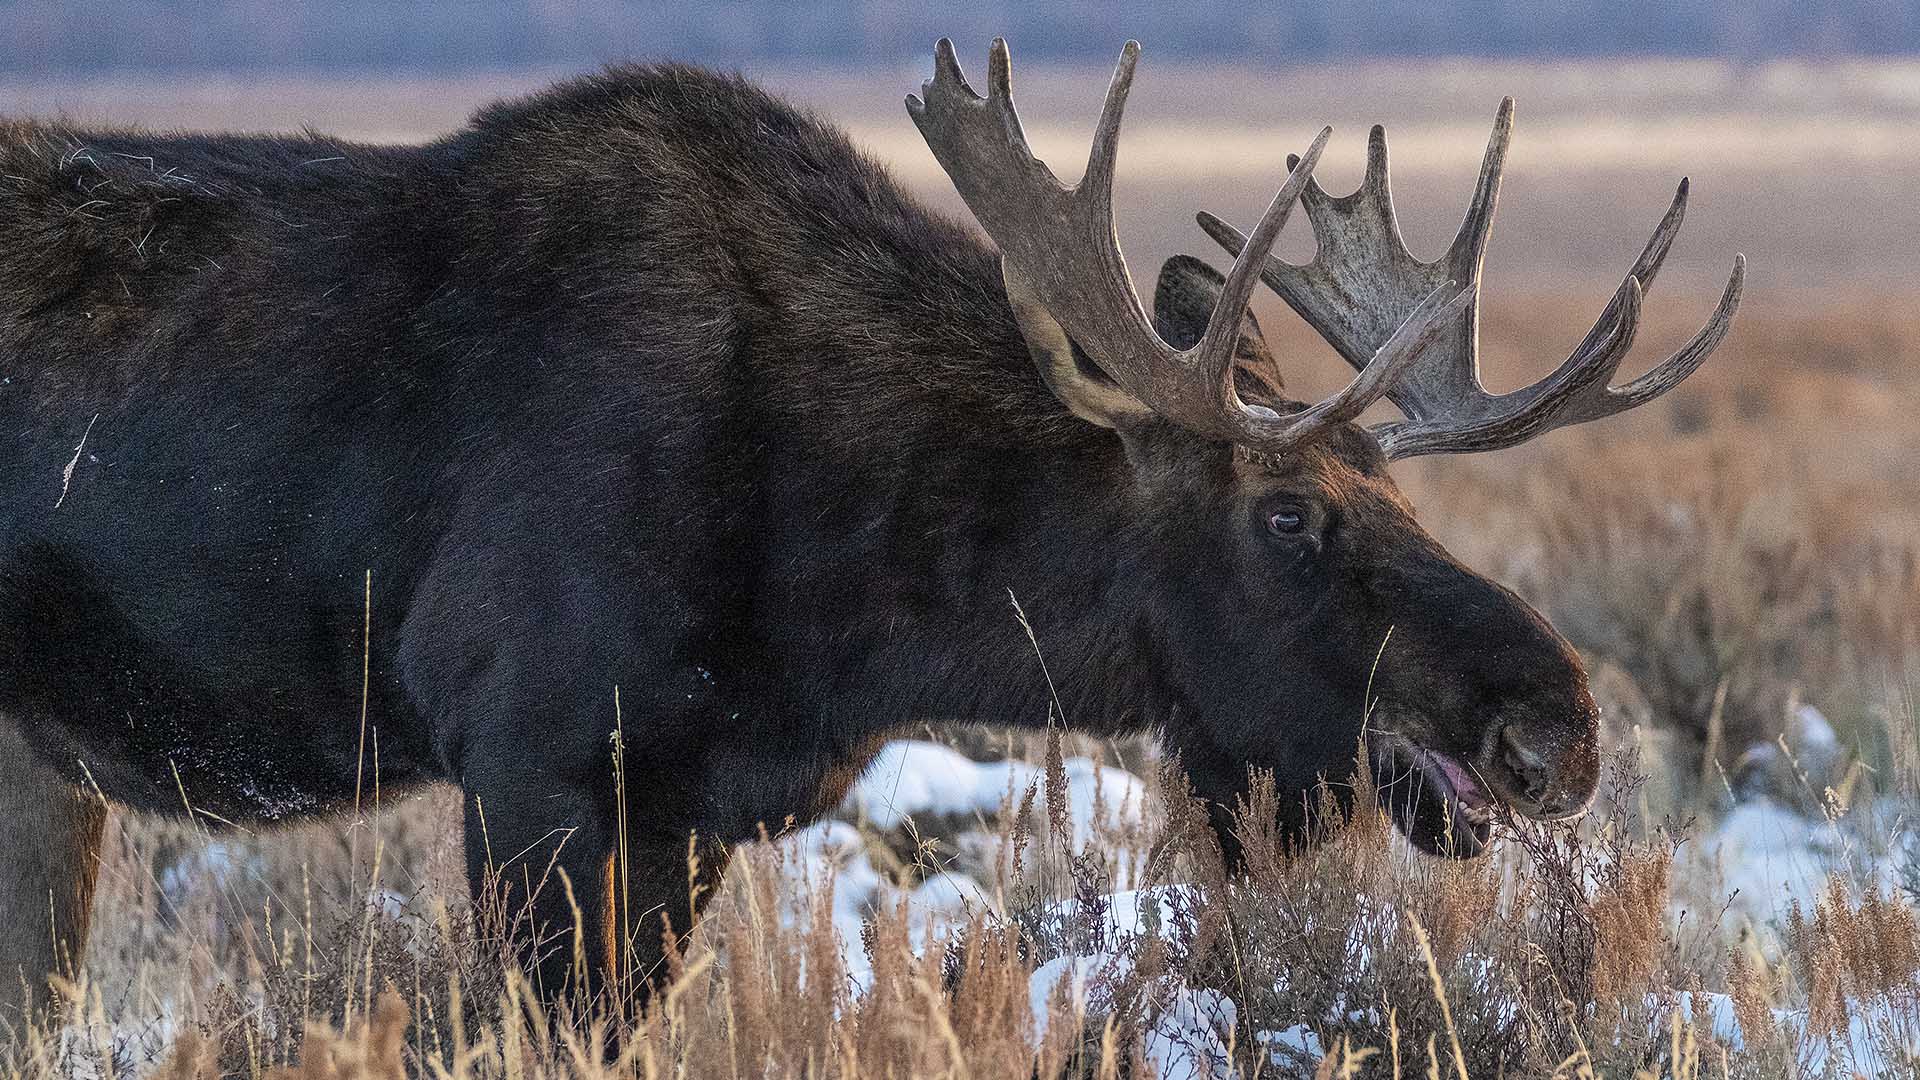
[
  {"x": 1375, "y": 183},
  {"x": 1363, "y": 278},
  {"x": 1607, "y": 342},
  {"x": 1215, "y": 351},
  {"x": 1664, "y": 234},
  {"x": 999, "y": 71},
  {"x": 1470, "y": 243},
  {"x": 946, "y": 64},
  {"x": 1606, "y": 401},
  {"x": 1098, "y": 181}
]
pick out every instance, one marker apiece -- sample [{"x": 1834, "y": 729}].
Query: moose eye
[{"x": 1286, "y": 522}]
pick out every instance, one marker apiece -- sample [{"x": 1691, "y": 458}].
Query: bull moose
[{"x": 651, "y": 381}]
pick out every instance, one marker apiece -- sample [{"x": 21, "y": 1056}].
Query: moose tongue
[{"x": 1466, "y": 789}]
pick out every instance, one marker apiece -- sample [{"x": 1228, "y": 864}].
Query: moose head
[{"x": 1292, "y": 596}]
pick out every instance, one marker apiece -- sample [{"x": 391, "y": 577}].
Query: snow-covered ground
[
  {"x": 1763, "y": 853},
  {"x": 934, "y": 788},
  {"x": 1768, "y": 853}
]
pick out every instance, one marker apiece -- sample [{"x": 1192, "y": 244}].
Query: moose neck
[
  {"x": 1006, "y": 592},
  {"x": 966, "y": 534}
]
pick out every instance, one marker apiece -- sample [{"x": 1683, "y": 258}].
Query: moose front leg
[
  {"x": 669, "y": 880},
  {"x": 547, "y": 846},
  {"x": 49, "y": 857},
  {"x": 540, "y": 849}
]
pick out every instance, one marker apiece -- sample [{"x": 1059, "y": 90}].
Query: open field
[
  {"x": 1806, "y": 168},
  {"x": 1738, "y": 562}
]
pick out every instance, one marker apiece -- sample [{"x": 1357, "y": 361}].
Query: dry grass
[{"x": 1558, "y": 958}]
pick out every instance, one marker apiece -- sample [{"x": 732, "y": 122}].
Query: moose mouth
[{"x": 1438, "y": 801}]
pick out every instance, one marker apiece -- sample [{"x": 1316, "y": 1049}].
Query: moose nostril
[{"x": 1528, "y": 765}]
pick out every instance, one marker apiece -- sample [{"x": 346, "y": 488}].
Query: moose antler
[
  {"x": 1363, "y": 279},
  {"x": 1064, "y": 272}
]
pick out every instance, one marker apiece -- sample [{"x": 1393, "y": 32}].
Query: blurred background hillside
[
  {"x": 455, "y": 35},
  {"x": 1795, "y": 121}
]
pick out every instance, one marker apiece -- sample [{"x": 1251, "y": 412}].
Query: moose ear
[
  {"x": 1085, "y": 390},
  {"x": 1183, "y": 301}
]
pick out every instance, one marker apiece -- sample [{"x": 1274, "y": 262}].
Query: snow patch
[{"x": 911, "y": 777}]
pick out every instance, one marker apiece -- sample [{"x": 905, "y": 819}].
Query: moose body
[{"x": 319, "y": 454}]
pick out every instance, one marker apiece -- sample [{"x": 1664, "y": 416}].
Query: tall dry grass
[{"x": 1557, "y": 958}]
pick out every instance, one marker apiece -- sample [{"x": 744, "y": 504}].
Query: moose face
[
  {"x": 1302, "y": 604},
  {"x": 1344, "y": 618},
  {"x": 1323, "y": 612}
]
